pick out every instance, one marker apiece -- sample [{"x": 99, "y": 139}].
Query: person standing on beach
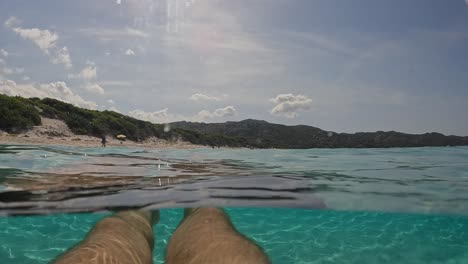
[{"x": 103, "y": 141}]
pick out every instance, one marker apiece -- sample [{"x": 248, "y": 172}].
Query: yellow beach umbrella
[{"x": 121, "y": 136}]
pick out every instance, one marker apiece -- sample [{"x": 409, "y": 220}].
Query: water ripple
[{"x": 42, "y": 180}]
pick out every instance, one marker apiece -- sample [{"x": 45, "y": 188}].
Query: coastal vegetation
[
  {"x": 18, "y": 114},
  {"x": 261, "y": 134}
]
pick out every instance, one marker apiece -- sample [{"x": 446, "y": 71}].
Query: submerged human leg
[
  {"x": 206, "y": 235},
  {"x": 125, "y": 237}
]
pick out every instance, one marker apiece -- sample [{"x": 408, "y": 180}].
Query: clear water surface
[{"x": 301, "y": 206}]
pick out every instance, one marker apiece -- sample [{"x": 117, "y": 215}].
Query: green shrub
[{"x": 17, "y": 114}]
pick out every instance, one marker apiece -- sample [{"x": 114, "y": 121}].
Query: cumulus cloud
[
  {"x": 88, "y": 73},
  {"x": 94, "y": 88},
  {"x": 4, "y": 53},
  {"x": 130, "y": 52},
  {"x": 164, "y": 116},
  {"x": 110, "y": 101},
  {"x": 44, "y": 39},
  {"x": 220, "y": 112},
  {"x": 62, "y": 56},
  {"x": 161, "y": 116},
  {"x": 114, "y": 109},
  {"x": 26, "y": 78},
  {"x": 55, "y": 90},
  {"x": 288, "y": 104},
  {"x": 203, "y": 97},
  {"x": 10, "y": 22},
  {"x": 226, "y": 111}
]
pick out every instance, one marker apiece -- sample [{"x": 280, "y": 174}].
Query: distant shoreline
[
  {"x": 56, "y": 132},
  {"x": 86, "y": 142},
  {"x": 50, "y": 121}
]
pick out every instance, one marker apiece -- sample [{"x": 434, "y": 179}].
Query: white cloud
[
  {"x": 466, "y": 2},
  {"x": 19, "y": 70},
  {"x": 114, "y": 109},
  {"x": 44, "y": 39},
  {"x": 62, "y": 56},
  {"x": 288, "y": 105},
  {"x": 161, "y": 116},
  {"x": 10, "y": 22},
  {"x": 164, "y": 116},
  {"x": 88, "y": 73},
  {"x": 220, "y": 112},
  {"x": 55, "y": 90},
  {"x": 110, "y": 101},
  {"x": 203, "y": 97},
  {"x": 130, "y": 52},
  {"x": 204, "y": 115},
  {"x": 94, "y": 88},
  {"x": 226, "y": 111},
  {"x": 26, "y": 78},
  {"x": 60, "y": 91},
  {"x": 4, "y": 53},
  {"x": 120, "y": 1}
]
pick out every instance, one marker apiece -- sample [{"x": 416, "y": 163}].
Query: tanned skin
[
  {"x": 205, "y": 235},
  {"x": 123, "y": 238}
]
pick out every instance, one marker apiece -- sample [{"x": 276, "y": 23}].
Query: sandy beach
[{"x": 56, "y": 132}]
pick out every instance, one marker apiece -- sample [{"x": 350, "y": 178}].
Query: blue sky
[{"x": 339, "y": 65}]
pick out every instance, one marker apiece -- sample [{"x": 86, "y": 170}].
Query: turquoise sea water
[
  {"x": 301, "y": 206},
  {"x": 287, "y": 235}
]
